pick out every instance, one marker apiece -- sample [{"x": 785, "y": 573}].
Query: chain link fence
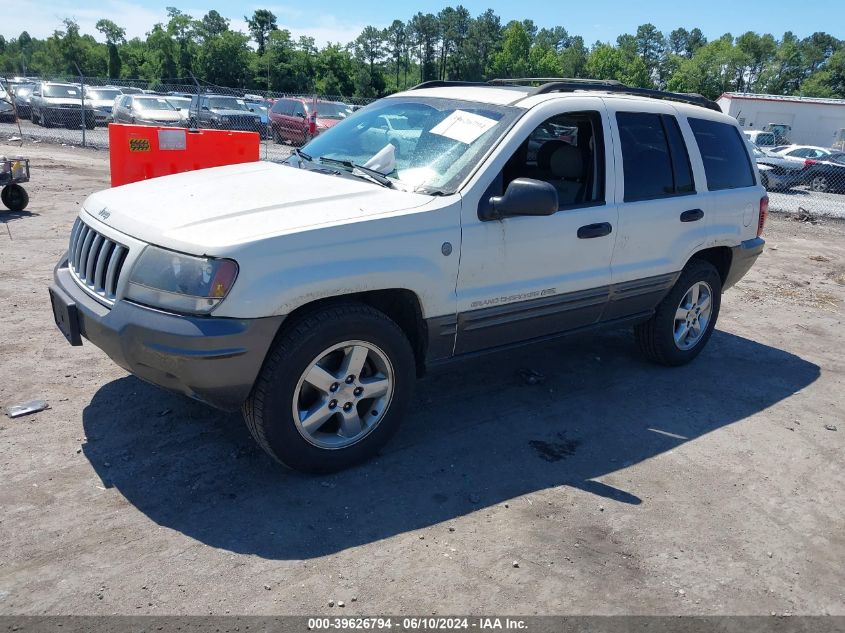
[
  {"x": 77, "y": 111},
  {"x": 806, "y": 180}
]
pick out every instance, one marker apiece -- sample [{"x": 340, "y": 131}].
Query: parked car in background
[
  {"x": 56, "y": 103},
  {"x": 102, "y": 100},
  {"x": 182, "y": 104},
  {"x": 802, "y": 152},
  {"x": 129, "y": 90},
  {"x": 827, "y": 175},
  {"x": 393, "y": 129},
  {"x": 778, "y": 173},
  {"x": 839, "y": 140},
  {"x": 146, "y": 110},
  {"x": 7, "y": 106},
  {"x": 299, "y": 120},
  {"x": 22, "y": 94},
  {"x": 761, "y": 138},
  {"x": 223, "y": 112},
  {"x": 262, "y": 109}
]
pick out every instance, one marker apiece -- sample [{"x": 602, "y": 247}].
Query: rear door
[
  {"x": 661, "y": 220},
  {"x": 731, "y": 193}
]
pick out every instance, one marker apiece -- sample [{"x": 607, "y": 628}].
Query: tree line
[{"x": 449, "y": 45}]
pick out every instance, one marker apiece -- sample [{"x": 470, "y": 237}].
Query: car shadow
[{"x": 477, "y": 434}]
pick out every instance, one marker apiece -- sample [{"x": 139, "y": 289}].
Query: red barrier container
[{"x": 138, "y": 152}]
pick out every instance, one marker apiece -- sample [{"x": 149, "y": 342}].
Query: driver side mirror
[{"x": 524, "y": 196}]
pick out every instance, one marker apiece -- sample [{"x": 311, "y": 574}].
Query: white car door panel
[{"x": 531, "y": 276}]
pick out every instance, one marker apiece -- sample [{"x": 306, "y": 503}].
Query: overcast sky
[{"x": 342, "y": 20}]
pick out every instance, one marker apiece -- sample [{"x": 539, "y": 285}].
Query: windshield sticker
[
  {"x": 71, "y": 91},
  {"x": 463, "y": 126}
]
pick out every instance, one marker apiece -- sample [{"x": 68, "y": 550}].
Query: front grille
[{"x": 95, "y": 261}]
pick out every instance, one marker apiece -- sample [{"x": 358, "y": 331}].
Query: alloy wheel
[{"x": 693, "y": 315}]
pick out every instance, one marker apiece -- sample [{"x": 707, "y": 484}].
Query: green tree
[
  {"x": 512, "y": 59},
  {"x": 260, "y": 25},
  {"x": 396, "y": 41},
  {"x": 224, "y": 59},
  {"x": 114, "y": 35},
  {"x": 212, "y": 24},
  {"x": 829, "y": 81},
  {"x": 609, "y": 62},
  {"x": 483, "y": 40}
]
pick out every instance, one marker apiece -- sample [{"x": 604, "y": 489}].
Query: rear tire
[
  {"x": 685, "y": 319},
  {"x": 277, "y": 136},
  {"x": 311, "y": 373},
  {"x": 14, "y": 197},
  {"x": 820, "y": 184}
]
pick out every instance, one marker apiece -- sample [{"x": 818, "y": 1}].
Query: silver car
[
  {"x": 102, "y": 100},
  {"x": 146, "y": 110},
  {"x": 56, "y": 103}
]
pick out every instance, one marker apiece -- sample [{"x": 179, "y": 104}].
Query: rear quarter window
[{"x": 726, "y": 163}]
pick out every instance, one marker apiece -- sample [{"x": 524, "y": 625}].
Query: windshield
[
  {"x": 331, "y": 110},
  {"x": 441, "y": 143},
  {"x": 103, "y": 95},
  {"x": 153, "y": 103},
  {"x": 179, "y": 102},
  {"x": 226, "y": 103},
  {"x": 23, "y": 90},
  {"x": 70, "y": 92}
]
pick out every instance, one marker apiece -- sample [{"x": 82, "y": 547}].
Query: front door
[{"x": 524, "y": 278}]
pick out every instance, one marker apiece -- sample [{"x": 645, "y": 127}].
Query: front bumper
[
  {"x": 742, "y": 259},
  {"x": 215, "y": 360}
]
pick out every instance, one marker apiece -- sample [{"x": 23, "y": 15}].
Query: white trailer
[{"x": 814, "y": 121}]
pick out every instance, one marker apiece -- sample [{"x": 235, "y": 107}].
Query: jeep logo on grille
[{"x": 104, "y": 214}]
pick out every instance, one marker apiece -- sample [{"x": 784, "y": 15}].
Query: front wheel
[
  {"x": 14, "y": 197},
  {"x": 684, "y": 320},
  {"x": 820, "y": 184},
  {"x": 333, "y": 389}
]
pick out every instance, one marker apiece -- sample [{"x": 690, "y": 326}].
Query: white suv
[{"x": 310, "y": 294}]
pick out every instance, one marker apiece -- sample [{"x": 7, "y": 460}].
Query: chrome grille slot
[{"x": 95, "y": 261}]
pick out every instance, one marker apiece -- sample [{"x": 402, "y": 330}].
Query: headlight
[{"x": 182, "y": 283}]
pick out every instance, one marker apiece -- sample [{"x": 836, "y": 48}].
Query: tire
[
  {"x": 656, "y": 338},
  {"x": 283, "y": 392},
  {"x": 306, "y": 138},
  {"x": 820, "y": 184},
  {"x": 277, "y": 136},
  {"x": 33, "y": 118},
  {"x": 14, "y": 197},
  {"x": 764, "y": 180}
]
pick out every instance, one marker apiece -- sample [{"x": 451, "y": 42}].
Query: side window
[
  {"x": 278, "y": 107},
  {"x": 298, "y": 108},
  {"x": 726, "y": 161},
  {"x": 654, "y": 156},
  {"x": 566, "y": 151}
]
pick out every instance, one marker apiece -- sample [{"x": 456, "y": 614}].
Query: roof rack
[{"x": 555, "y": 84}]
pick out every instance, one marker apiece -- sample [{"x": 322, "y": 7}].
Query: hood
[
  {"x": 53, "y": 101},
  {"x": 226, "y": 112},
  {"x": 206, "y": 211},
  {"x": 100, "y": 103},
  {"x": 158, "y": 115}
]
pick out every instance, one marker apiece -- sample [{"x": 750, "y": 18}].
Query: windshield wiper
[
  {"x": 359, "y": 170},
  {"x": 301, "y": 155}
]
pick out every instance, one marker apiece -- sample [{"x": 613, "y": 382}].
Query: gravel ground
[{"x": 613, "y": 486}]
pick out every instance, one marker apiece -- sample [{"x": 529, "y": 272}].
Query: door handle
[
  {"x": 594, "y": 230},
  {"x": 693, "y": 215}
]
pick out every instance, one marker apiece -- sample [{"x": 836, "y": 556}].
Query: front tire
[
  {"x": 820, "y": 184},
  {"x": 685, "y": 319},
  {"x": 333, "y": 389},
  {"x": 14, "y": 197}
]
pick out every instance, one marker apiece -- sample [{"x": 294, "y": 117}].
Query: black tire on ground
[
  {"x": 277, "y": 136},
  {"x": 268, "y": 411},
  {"x": 764, "y": 180},
  {"x": 656, "y": 337},
  {"x": 306, "y": 138},
  {"x": 14, "y": 197}
]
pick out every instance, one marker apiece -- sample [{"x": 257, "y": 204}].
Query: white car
[
  {"x": 761, "y": 138},
  {"x": 102, "y": 100},
  {"x": 311, "y": 294},
  {"x": 802, "y": 152}
]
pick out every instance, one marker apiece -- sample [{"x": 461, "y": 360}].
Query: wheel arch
[
  {"x": 403, "y": 306},
  {"x": 720, "y": 257}
]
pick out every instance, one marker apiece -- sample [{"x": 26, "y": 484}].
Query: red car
[{"x": 299, "y": 119}]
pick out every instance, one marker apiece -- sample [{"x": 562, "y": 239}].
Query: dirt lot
[{"x": 615, "y": 486}]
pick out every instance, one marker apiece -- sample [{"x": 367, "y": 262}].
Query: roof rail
[
  {"x": 438, "y": 83},
  {"x": 550, "y": 84}
]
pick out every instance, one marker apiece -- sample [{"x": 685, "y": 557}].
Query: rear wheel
[
  {"x": 14, "y": 197},
  {"x": 333, "y": 389},
  {"x": 277, "y": 136},
  {"x": 685, "y": 319}
]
